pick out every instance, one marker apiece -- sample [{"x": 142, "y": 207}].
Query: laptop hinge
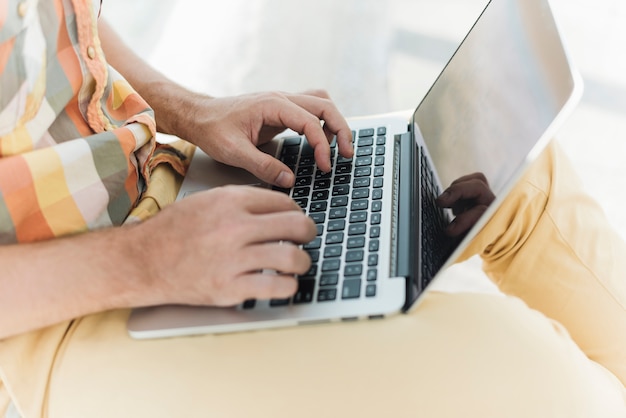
[{"x": 407, "y": 242}]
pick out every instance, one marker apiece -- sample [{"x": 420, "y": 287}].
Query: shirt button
[
  {"x": 91, "y": 52},
  {"x": 22, "y": 9}
]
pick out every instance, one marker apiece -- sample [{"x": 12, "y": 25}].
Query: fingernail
[{"x": 284, "y": 179}]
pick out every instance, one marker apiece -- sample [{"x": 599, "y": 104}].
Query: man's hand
[
  {"x": 230, "y": 130},
  {"x": 211, "y": 248},
  {"x": 468, "y": 197}
]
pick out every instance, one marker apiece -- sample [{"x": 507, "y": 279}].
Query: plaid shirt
[{"x": 75, "y": 139}]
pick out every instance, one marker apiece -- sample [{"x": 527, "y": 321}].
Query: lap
[{"x": 455, "y": 355}]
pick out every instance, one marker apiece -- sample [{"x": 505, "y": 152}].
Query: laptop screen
[{"x": 499, "y": 94}]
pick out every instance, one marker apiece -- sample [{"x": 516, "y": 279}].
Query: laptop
[{"x": 381, "y": 239}]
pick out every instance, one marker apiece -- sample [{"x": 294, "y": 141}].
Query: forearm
[
  {"x": 166, "y": 97},
  {"x": 48, "y": 282}
]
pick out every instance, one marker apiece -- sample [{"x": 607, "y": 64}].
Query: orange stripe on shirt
[
  {"x": 5, "y": 51},
  {"x": 53, "y": 194},
  {"x": 21, "y": 201}
]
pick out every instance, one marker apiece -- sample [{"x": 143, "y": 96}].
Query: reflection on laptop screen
[{"x": 490, "y": 104}]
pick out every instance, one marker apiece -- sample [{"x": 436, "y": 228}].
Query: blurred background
[{"x": 377, "y": 56}]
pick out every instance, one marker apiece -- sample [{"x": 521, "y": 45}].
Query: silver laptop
[{"x": 381, "y": 237}]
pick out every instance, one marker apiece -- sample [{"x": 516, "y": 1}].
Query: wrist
[{"x": 176, "y": 109}]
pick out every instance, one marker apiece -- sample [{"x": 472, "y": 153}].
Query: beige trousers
[{"x": 555, "y": 346}]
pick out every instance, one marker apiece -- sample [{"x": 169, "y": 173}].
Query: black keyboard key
[
  {"x": 338, "y": 213},
  {"x": 280, "y": 189},
  {"x": 292, "y": 140},
  {"x": 279, "y": 302},
  {"x": 382, "y": 130},
  {"x": 318, "y": 217},
  {"x": 312, "y": 271},
  {"x": 291, "y": 150},
  {"x": 289, "y": 160},
  {"x": 318, "y": 207},
  {"x": 343, "y": 169},
  {"x": 332, "y": 264},
  {"x": 377, "y": 194},
  {"x": 356, "y": 242},
  {"x": 380, "y": 150},
  {"x": 361, "y": 182},
  {"x": 366, "y": 132},
  {"x": 303, "y": 202},
  {"x": 375, "y": 219},
  {"x": 320, "y": 175},
  {"x": 315, "y": 255},
  {"x": 360, "y": 193},
  {"x": 300, "y": 192},
  {"x": 332, "y": 251},
  {"x": 304, "y": 294},
  {"x": 321, "y": 184},
  {"x": 303, "y": 181},
  {"x": 357, "y": 217},
  {"x": 249, "y": 304},
  {"x": 370, "y": 290},
  {"x": 374, "y": 245},
  {"x": 304, "y": 171},
  {"x": 341, "y": 160},
  {"x": 364, "y": 152},
  {"x": 363, "y": 172},
  {"x": 313, "y": 245},
  {"x": 372, "y": 260},
  {"x": 366, "y": 142},
  {"x": 357, "y": 229},
  {"x": 325, "y": 295},
  {"x": 378, "y": 182},
  {"x": 343, "y": 179},
  {"x": 307, "y": 160},
  {"x": 351, "y": 289},
  {"x": 353, "y": 270},
  {"x": 307, "y": 149},
  {"x": 381, "y": 140},
  {"x": 354, "y": 255},
  {"x": 336, "y": 225},
  {"x": 319, "y": 195},
  {"x": 372, "y": 275},
  {"x": 320, "y": 229},
  {"x": 329, "y": 279},
  {"x": 379, "y": 171},
  {"x": 375, "y": 232},
  {"x": 379, "y": 161},
  {"x": 377, "y": 206},
  {"x": 340, "y": 190},
  {"x": 362, "y": 204},
  {"x": 363, "y": 161},
  {"x": 334, "y": 238},
  {"x": 339, "y": 201}
]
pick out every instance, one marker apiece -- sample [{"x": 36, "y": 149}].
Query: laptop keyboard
[{"x": 346, "y": 206}]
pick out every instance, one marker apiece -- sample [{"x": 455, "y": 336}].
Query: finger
[
  {"x": 264, "y": 166},
  {"x": 323, "y": 94},
  {"x": 474, "y": 176},
  {"x": 284, "y": 226},
  {"x": 470, "y": 189},
  {"x": 334, "y": 122},
  {"x": 462, "y": 223},
  {"x": 254, "y": 200},
  {"x": 283, "y": 257},
  {"x": 264, "y": 286}
]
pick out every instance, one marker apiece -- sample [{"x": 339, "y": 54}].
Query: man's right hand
[{"x": 211, "y": 248}]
